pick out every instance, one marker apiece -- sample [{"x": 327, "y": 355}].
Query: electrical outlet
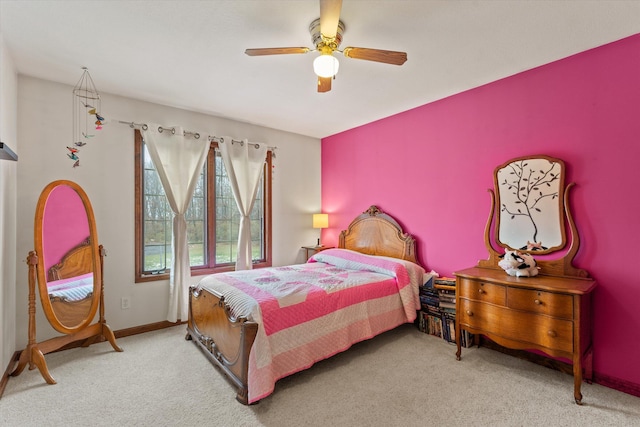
[{"x": 125, "y": 303}]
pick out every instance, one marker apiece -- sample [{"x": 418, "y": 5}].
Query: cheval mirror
[
  {"x": 530, "y": 212},
  {"x": 67, "y": 265}
]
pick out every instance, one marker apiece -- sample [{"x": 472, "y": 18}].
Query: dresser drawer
[
  {"x": 479, "y": 316},
  {"x": 482, "y": 291},
  {"x": 552, "y": 304},
  {"x": 543, "y": 331}
]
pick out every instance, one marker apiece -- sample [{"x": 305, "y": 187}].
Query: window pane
[
  {"x": 152, "y": 184},
  {"x": 257, "y": 223},
  {"x": 228, "y": 219},
  {"x": 158, "y": 219},
  {"x": 226, "y": 242},
  {"x": 195, "y": 216},
  {"x": 156, "y": 233},
  {"x": 196, "y": 254}
]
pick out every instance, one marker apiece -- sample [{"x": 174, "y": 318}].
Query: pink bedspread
[
  {"x": 71, "y": 289},
  {"x": 308, "y": 312}
]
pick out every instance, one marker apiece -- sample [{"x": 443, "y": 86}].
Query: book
[
  {"x": 448, "y": 304},
  {"x": 446, "y": 281},
  {"x": 438, "y": 311},
  {"x": 449, "y": 325}
]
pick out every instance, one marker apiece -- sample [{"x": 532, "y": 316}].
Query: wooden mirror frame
[
  {"x": 34, "y": 353},
  {"x": 556, "y": 263},
  {"x": 91, "y": 254}
]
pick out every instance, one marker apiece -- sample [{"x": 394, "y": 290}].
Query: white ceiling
[{"x": 190, "y": 54}]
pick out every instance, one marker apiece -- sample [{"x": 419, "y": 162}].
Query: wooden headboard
[
  {"x": 76, "y": 262},
  {"x": 376, "y": 233}
]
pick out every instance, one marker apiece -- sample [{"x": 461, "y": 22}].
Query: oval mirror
[
  {"x": 68, "y": 270},
  {"x": 530, "y": 199}
]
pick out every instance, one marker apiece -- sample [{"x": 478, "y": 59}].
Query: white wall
[
  {"x": 107, "y": 175},
  {"x": 8, "y": 185}
]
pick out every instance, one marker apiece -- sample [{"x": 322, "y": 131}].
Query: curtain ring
[
  {"x": 160, "y": 129},
  {"x": 256, "y": 146},
  {"x": 221, "y": 140},
  {"x": 144, "y": 126},
  {"x": 196, "y": 135}
]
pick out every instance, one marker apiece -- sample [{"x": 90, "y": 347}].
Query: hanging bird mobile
[{"x": 86, "y": 103}]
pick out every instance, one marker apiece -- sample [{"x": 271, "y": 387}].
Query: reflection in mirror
[
  {"x": 70, "y": 285},
  {"x": 67, "y": 256},
  {"x": 529, "y": 192}
]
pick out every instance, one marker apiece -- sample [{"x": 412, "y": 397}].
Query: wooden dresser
[
  {"x": 550, "y": 311},
  {"x": 547, "y": 313}
]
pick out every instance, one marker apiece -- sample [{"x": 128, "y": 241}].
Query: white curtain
[
  {"x": 244, "y": 161},
  {"x": 178, "y": 160}
]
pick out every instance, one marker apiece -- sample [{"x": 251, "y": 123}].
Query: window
[{"x": 212, "y": 218}]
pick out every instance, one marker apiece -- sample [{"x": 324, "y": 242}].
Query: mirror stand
[{"x": 33, "y": 354}]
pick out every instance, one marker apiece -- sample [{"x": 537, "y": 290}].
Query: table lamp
[{"x": 320, "y": 221}]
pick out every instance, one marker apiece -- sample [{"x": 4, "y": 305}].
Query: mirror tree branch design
[
  {"x": 529, "y": 187},
  {"x": 529, "y": 195}
]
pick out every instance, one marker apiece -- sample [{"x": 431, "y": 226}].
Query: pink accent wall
[
  {"x": 430, "y": 168},
  {"x": 65, "y": 224}
]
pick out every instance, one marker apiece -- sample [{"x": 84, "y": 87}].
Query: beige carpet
[{"x": 401, "y": 378}]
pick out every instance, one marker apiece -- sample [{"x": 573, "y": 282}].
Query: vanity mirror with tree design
[
  {"x": 529, "y": 199},
  {"x": 67, "y": 266},
  {"x": 550, "y": 312}
]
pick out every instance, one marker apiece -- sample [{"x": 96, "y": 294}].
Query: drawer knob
[
  {"x": 537, "y": 302},
  {"x": 481, "y": 291},
  {"x": 552, "y": 333},
  {"x": 469, "y": 313}
]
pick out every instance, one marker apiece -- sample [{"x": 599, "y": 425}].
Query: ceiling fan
[{"x": 326, "y": 34}]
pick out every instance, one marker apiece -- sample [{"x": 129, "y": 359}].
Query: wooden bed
[
  {"x": 227, "y": 341},
  {"x": 78, "y": 261}
]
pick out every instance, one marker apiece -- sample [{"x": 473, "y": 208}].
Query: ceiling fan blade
[
  {"x": 329, "y": 17},
  {"x": 377, "y": 55},
  {"x": 276, "y": 51},
  {"x": 324, "y": 84}
]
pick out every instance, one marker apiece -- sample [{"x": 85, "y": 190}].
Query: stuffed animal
[
  {"x": 535, "y": 246},
  {"x": 519, "y": 264}
]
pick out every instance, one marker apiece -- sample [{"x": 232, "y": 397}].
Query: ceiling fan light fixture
[
  {"x": 326, "y": 65},
  {"x": 326, "y": 35}
]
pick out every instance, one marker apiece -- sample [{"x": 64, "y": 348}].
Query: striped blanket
[
  {"x": 71, "y": 289},
  {"x": 309, "y": 312}
]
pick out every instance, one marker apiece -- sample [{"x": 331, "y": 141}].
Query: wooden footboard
[{"x": 226, "y": 341}]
